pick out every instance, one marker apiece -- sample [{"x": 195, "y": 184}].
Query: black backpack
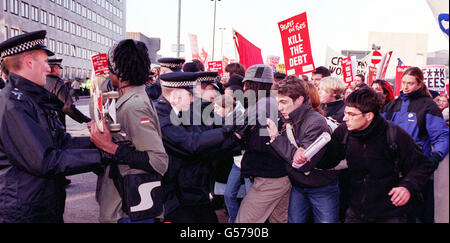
[{"x": 391, "y": 135}]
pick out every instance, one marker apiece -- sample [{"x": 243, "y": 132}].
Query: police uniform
[
  {"x": 174, "y": 64},
  {"x": 186, "y": 183},
  {"x": 200, "y": 105},
  {"x": 55, "y": 85},
  {"x": 35, "y": 151}
]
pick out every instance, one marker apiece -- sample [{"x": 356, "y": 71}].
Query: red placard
[
  {"x": 348, "y": 70},
  {"x": 216, "y": 66},
  {"x": 398, "y": 79},
  {"x": 100, "y": 64},
  {"x": 372, "y": 75},
  {"x": 296, "y": 45}
]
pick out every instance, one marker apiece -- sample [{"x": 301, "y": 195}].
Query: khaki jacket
[{"x": 139, "y": 124}]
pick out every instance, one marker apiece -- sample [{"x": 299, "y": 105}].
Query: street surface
[{"x": 81, "y": 206}]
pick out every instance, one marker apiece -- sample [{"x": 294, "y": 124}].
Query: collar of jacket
[
  {"x": 130, "y": 93},
  {"x": 53, "y": 76},
  {"x": 337, "y": 103},
  {"x": 298, "y": 115},
  {"x": 414, "y": 95},
  {"x": 374, "y": 129},
  {"x": 36, "y": 92}
]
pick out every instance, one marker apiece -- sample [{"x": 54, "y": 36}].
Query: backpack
[{"x": 391, "y": 135}]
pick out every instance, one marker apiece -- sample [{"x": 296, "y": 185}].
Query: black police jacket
[
  {"x": 63, "y": 98},
  {"x": 35, "y": 155},
  {"x": 190, "y": 151}
]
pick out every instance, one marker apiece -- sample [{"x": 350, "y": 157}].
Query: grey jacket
[{"x": 307, "y": 125}]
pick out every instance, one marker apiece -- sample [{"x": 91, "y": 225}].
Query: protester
[
  {"x": 140, "y": 158},
  {"x": 35, "y": 152},
  {"x": 279, "y": 76},
  {"x": 191, "y": 67},
  {"x": 268, "y": 197},
  {"x": 420, "y": 117},
  {"x": 383, "y": 178},
  {"x": 200, "y": 65},
  {"x": 190, "y": 149},
  {"x": 230, "y": 69},
  {"x": 62, "y": 96},
  {"x": 313, "y": 190},
  {"x": 442, "y": 102},
  {"x": 234, "y": 88},
  {"x": 348, "y": 91},
  {"x": 331, "y": 92},
  {"x": 319, "y": 74},
  {"x": 361, "y": 85},
  {"x": 305, "y": 78},
  {"x": 359, "y": 79},
  {"x": 385, "y": 89}
]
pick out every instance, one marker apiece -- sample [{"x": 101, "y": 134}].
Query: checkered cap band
[
  {"x": 178, "y": 84},
  {"x": 171, "y": 65},
  {"x": 22, "y": 47},
  {"x": 207, "y": 79}
]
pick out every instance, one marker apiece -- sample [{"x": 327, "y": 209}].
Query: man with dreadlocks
[{"x": 130, "y": 189}]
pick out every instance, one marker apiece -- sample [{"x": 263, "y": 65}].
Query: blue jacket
[{"x": 419, "y": 115}]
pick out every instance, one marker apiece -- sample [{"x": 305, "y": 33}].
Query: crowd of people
[{"x": 189, "y": 135}]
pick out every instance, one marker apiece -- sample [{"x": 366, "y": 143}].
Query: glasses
[{"x": 352, "y": 115}]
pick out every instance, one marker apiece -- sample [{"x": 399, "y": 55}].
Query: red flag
[{"x": 249, "y": 54}]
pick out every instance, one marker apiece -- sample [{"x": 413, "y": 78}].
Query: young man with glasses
[{"x": 380, "y": 188}]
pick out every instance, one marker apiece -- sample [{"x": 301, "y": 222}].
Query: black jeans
[{"x": 353, "y": 218}]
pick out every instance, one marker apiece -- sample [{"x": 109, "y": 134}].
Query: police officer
[
  {"x": 35, "y": 151},
  {"x": 57, "y": 87},
  {"x": 167, "y": 65},
  {"x": 141, "y": 163},
  {"x": 190, "y": 150}
]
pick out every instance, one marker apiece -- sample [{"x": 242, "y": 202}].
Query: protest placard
[
  {"x": 100, "y": 64},
  {"x": 281, "y": 68},
  {"x": 372, "y": 76},
  {"x": 216, "y": 66},
  {"x": 349, "y": 70},
  {"x": 334, "y": 64},
  {"x": 296, "y": 45},
  {"x": 272, "y": 61},
  {"x": 435, "y": 78}
]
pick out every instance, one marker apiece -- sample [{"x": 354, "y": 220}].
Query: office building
[{"x": 76, "y": 29}]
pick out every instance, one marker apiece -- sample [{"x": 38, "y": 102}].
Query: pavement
[{"x": 81, "y": 206}]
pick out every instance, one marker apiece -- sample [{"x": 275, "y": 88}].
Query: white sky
[{"x": 340, "y": 24}]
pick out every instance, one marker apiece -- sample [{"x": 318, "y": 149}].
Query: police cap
[
  {"x": 23, "y": 43},
  {"x": 175, "y": 64},
  {"x": 180, "y": 80}
]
